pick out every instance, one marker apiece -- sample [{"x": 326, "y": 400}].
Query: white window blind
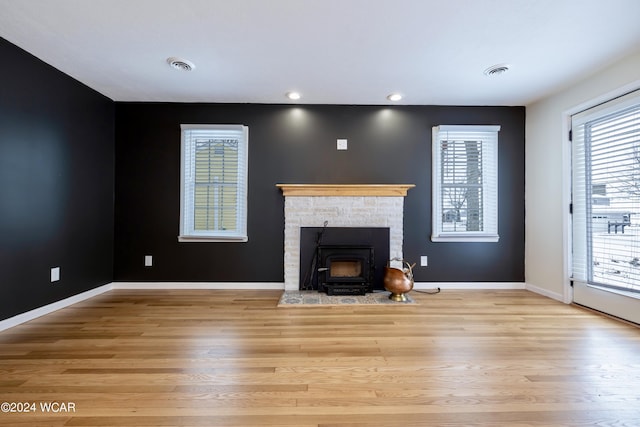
[
  {"x": 214, "y": 183},
  {"x": 465, "y": 183},
  {"x": 606, "y": 194}
]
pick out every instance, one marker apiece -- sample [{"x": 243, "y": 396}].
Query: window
[
  {"x": 606, "y": 194},
  {"x": 214, "y": 183},
  {"x": 465, "y": 183}
]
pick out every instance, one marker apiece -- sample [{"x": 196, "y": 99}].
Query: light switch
[
  {"x": 55, "y": 274},
  {"x": 148, "y": 260}
]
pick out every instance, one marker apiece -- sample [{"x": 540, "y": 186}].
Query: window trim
[
  {"x": 437, "y": 234},
  {"x": 186, "y": 196}
]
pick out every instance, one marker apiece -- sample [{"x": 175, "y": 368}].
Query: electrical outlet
[
  {"x": 342, "y": 144},
  {"x": 148, "y": 261},
  {"x": 55, "y": 274},
  {"x": 424, "y": 262}
]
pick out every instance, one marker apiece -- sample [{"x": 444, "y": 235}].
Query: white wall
[{"x": 547, "y": 173}]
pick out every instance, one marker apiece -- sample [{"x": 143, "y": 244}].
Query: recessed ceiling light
[
  {"x": 180, "y": 64},
  {"x": 496, "y": 70},
  {"x": 394, "y": 97},
  {"x": 293, "y": 95}
]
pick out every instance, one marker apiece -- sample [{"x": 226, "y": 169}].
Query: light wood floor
[{"x": 231, "y": 358}]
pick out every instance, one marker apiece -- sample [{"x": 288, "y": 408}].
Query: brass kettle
[{"x": 398, "y": 281}]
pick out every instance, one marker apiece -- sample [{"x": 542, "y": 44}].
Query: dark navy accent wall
[
  {"x": 297, "y": 144},
  {"x": 56, "y": 184}
]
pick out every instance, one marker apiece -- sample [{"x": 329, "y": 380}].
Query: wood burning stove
[
  {"x": 343, "y": 260},
  {"x": 345, "y": 269}
]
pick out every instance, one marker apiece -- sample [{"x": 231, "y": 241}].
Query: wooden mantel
[{"x": 345, "y": 189}]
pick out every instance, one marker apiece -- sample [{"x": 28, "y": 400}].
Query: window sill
[
  {"x": 445, "y": 238},
  {"x": 207, "y": 239}
]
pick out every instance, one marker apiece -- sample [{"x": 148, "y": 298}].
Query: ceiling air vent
[
  {"x": 180, "y": 64},
  {"x": 496, "y": 70}
]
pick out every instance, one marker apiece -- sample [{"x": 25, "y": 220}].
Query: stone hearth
[{"x": 342, "y": 205}]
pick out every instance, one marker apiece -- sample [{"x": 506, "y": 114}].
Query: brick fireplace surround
[{"x": 342, "y": 205}]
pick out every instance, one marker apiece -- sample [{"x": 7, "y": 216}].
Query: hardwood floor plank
[{"x": 232, "y": 358}]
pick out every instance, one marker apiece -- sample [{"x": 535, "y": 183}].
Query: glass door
[{"x": 606, "y": 207}]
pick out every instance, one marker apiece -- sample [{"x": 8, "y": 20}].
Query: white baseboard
[
  {"x": 199, "y": 285},
  {"x": 469, "y": 285},
  {"x": 50, "y": 308},
  {"x": 545, "y": 292}
]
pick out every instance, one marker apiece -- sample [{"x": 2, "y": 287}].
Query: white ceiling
[{"x": 332, "y": 51}]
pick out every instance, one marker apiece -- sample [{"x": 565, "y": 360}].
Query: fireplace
[
  {"x": 342, "y": 205},
  {"x": 345, "y": 269},
  {"x": 343, "y": 260}
]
